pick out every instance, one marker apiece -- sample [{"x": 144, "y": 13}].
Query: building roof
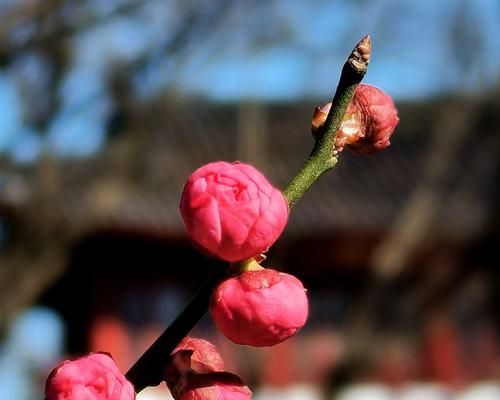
[{"x": 136, "y": 182}]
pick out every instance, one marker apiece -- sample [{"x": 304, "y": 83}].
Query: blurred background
[{"x": 106, "y": 106}]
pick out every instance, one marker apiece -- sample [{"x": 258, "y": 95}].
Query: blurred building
[{"x": 398, "y": 247}]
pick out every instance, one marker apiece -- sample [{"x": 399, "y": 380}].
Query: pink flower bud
[
  {"x": 232, "y": 211},
  {"x": 368, "y": 123},
  {"x": 379, "y": 117},
  {"x": 260, "y": 308},
  {"x": 196, "y": 372},
  {"x": 196, "y": 355},
  {"x": 93, "y": 377},
  {"x": 213, "y": 386}
]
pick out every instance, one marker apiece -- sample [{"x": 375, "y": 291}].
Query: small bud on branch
[{"x": 368, "y": 123}]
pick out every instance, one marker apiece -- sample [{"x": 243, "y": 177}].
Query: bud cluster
[{"x": 233, "y": 213}]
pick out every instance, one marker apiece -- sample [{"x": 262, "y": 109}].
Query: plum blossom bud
[
  {"x": 232, "y": 211},
  {"x": 196, "y": 355},
  {"x": 213, "y": 386},
  {"x": 93, "y": 377},
  {"x": 196, "y": 372},
  {"x": 260, "y": 308},
  {"x": 368, "y": 124},
  {"x": 379, "y": 117}
]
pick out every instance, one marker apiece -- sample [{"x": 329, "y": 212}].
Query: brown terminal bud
[{"x": 360, "y": 56}]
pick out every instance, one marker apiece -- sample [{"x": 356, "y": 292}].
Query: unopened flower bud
[
  {"x": 260, "y": 308},
  {"x": 93, "y": 377},
  {"x": 368, "y": 123},
  {"x": 196, "y": 355},
  {"x": 379, "y": 117},
  {"x": 232, "y": 211},
  {"x": 196, "y": 372}
]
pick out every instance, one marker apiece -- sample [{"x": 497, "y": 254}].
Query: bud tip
[{"x": 360, "y": 56}]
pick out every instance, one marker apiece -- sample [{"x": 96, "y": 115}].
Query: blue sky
[
  {"x": 272, "y": 51},
  {"x": 411, "y": 41}
]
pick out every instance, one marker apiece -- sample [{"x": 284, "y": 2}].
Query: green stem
[
  {"x": 324, "y": 156},
  {"x": 311, "y": 170}
]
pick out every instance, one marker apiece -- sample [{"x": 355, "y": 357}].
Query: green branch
[{"x": 323, "y": 156}]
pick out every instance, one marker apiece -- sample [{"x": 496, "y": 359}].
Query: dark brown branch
[{"x": 148, "y": 369}]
